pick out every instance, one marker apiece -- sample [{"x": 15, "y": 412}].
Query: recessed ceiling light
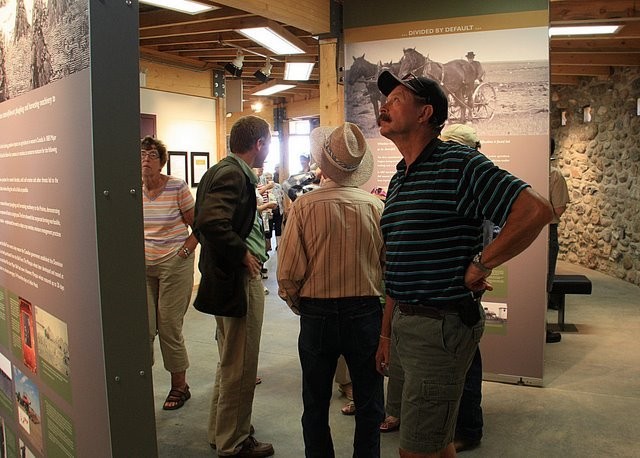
[
  {"x": 275, "y": 38},
  {"x": 584, "y": 30},
  {"x": 299, "y": 71},
  {"x": 183, "y": 6},
  {"x": 270, "y": 89}
]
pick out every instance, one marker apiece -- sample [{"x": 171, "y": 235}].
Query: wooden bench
[{"x": 567, "y": 284}]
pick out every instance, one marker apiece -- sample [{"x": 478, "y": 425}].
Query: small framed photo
[
  {"x": 199, "y": 165},
  {"x": 177, "y": 164}
]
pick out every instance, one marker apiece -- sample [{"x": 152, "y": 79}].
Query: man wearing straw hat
[
  {"x": 330, "y": 273},
  {"x": 436, "y": 268}
]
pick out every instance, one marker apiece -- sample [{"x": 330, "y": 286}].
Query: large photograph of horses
[
  {"x": 41, "y": 41},
  {"x": 496, "y": 80}
]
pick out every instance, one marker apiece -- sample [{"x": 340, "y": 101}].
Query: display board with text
[{"x": 69, "y": 376}]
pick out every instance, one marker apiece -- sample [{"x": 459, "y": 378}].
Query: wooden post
[{"x": 331, "y": 93}]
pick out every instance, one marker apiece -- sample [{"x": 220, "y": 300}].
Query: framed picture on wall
[
  {"x": 177, "y": 164},
  {"x": 199, "y": 165}
]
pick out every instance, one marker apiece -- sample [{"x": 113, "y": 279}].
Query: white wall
[{"x": 183, "y": 123}]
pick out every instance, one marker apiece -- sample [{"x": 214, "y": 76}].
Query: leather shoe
[
  {"x": 251, "y": 448},
  {"x": 553, "y": 337},
  {"x": 252, "y": 431},
  {"x": 461, "y": 444}
]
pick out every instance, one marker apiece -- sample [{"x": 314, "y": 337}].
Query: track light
[
  {"x": 235, "y": 67},
  {"x": 264, "y": 73}
]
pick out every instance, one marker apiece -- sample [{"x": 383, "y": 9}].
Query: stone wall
[{"x": 600, "y": 161}]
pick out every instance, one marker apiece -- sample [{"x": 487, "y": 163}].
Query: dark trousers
[
  {"x": 469, "y": 423},
  {"x": 554, "y": 248},
  {"x": 329, "y": 328}
]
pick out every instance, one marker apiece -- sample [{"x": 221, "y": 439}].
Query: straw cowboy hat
[{"x": 342, "y": 154}]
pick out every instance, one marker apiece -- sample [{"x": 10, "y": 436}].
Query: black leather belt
[{"x": 429, "y": 311}]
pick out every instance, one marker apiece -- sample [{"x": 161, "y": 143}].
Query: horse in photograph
[
  {"x": 367, "y": 72},
  {"x": 456, "y": 77}
]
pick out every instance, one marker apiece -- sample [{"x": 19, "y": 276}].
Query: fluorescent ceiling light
[
  {"x": 299, "y": 71},
  {"x": 584, "y": 30},
  {"x": 276, "y": 39},
  {"x": 183, "y": 6},
  {"x": 272, "y": 88}
]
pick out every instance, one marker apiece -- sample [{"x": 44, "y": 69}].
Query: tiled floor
[{"x": 589, "y": 406}]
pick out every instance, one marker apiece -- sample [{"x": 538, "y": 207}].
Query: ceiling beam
[
  {"x": 572, "y": 10},
  {"x": 310, "y": 15},
  {"x": 203, "y": 27},
  {"x": 587, "y": 70},
  {"x": 162, "y": 17},
  {"x": 618, "y": 59},
  {"x": 594, "y": 44},
  {"x": 157, "y": 56},
  {"x": 570, "y": 80}
]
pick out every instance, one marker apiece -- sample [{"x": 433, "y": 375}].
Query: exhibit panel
[
  {"x": 492, "y": 61},
  {"x": 71, "y": 252}
]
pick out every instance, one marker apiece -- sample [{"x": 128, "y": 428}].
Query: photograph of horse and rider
[{"x": 492, "y": 81}]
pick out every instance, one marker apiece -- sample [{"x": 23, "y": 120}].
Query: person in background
[
  {"x": 233, "y": 251},
  {"x": 330, "y": 273},
  {"x": 305, "y": 163},
  {"x": 301, "y": 183},
  {"x": 264, "y": 208},
  {"x": 275, "y": 196},
  {"x": 168, "y": 213},
  {"x": 477, "y": 67},
  {"x": 559, "y": 197},
  {"x": 469, "y": 422},
  {"x": 436, "y": 268}
]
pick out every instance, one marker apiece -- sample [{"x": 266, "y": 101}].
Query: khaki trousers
[
  {"x": 238, "y": 347},
  {"x": 169, "y": 286},
  {"x": 342, "y": 372}
]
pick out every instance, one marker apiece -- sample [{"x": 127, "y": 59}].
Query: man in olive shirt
[{"x": 233, "y": 251}]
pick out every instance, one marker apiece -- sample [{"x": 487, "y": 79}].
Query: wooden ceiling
[{"x": 209, "y": 40}]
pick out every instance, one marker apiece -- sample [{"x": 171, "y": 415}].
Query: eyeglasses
[{"x": 151, "y": 154}]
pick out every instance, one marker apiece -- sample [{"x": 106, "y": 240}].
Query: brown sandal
[
  {"x": 349, "y": 408},
  {"x": 176, "y": 398},
  {"x": 390, "y": 424}
]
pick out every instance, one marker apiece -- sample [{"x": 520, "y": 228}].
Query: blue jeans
[
  {"x": 329, "y": 328},
  {"x": 469, "y": 422}
]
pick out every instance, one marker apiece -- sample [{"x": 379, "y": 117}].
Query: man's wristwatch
[{"x": 476, "y": 261}]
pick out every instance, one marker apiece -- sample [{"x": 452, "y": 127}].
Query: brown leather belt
[{"x": 437, "y": 313}]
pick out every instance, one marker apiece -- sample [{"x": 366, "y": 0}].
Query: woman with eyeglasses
[{"x": 168, "y": 214}]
